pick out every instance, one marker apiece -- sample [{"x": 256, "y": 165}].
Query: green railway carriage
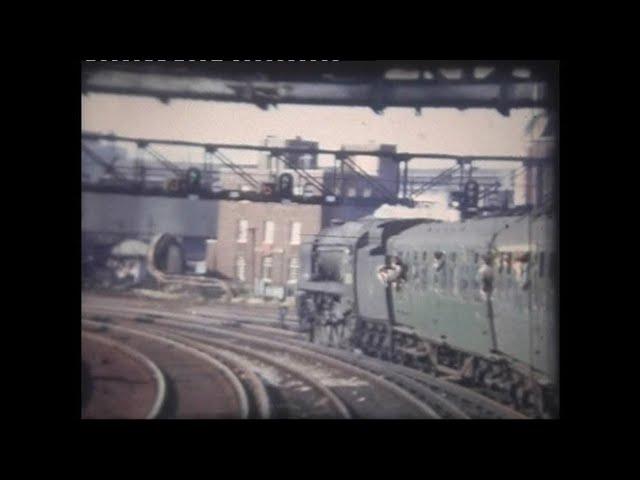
[
  {"x": 473, "y": 299},
  {"x": 444, "y": 302}
]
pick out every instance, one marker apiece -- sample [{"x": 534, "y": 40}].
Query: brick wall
[{"x": 228, "y": 249}]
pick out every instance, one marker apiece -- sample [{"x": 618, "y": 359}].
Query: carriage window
[
  {"x": 451, "y": 282},
  {"x": 541, "y": 265},
  {"x": 464, "y": 283},
  {"x": 424, "y": 272},
  {"x": 509, "y": 263}
]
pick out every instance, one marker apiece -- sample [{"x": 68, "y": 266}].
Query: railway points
[
  {"x": 118, "y": 382},
  {"x": 198, "y": 386},
  {"x": 263, "y": 350}
]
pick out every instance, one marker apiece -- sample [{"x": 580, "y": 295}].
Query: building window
[
  {"x": 269, "y": 229},
  {"x": 295, "y": 233},
  {"x": 243, "y": 227},
  {"x": 241, "y": 265},
  {"x": 267, "y": 268},
  {"x": 294, "y": 268}
]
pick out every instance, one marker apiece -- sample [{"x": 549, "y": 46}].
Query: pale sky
[{"x": 469, "y": 132}]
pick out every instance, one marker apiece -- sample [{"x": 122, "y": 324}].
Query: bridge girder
[{"x": 365, "y": 84}]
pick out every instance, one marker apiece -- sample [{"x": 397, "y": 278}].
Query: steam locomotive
[{"x": 472, "y": 300}]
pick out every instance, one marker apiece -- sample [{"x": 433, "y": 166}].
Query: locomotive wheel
[
  {"x": 305, "y": 323},
  {"x": 333, "y": 334},
  {"x": 321, "y": 333},
  {"x": 347, "y": 332},
  {"x": 329, "y": 334}
]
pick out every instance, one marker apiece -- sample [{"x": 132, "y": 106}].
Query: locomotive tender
[{"x": 473, "y": 300}]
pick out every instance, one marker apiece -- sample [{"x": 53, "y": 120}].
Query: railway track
[
  {"x": 196, "y": 384},
  {"x": 300, "y": 384},
  {"x": 477, "y": 403},
  {"x": 117, "y": 381},
  {"x": 439, "y": 399}
]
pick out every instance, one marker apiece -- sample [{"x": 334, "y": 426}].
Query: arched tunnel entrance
[
  {"x": 167, "y": 264},
  {"x": 166, "y": 255}
]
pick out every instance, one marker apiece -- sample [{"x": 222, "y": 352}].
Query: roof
[{"x": 130, "y": 248}]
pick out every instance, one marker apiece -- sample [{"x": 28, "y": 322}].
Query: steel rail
[
  {"x": 263, "y": 404},
  {"x": 406, "y": 384},
  {"x": 161, "y": 386},
  {"x": 412, "y": 375},
  {"x": 338, "y": 364},
  {"x": 239, "y": 391},
  {"x": 337, "y": 404}
]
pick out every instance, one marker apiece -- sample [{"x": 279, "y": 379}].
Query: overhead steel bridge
[
  {"x": 500, "y": 85},
  {"x": 390, "y": 194}
]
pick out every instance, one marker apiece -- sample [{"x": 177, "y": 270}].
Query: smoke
[{"x": 430, "y": 205}]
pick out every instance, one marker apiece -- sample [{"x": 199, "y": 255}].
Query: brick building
[{"x": 258, "y": 243}]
